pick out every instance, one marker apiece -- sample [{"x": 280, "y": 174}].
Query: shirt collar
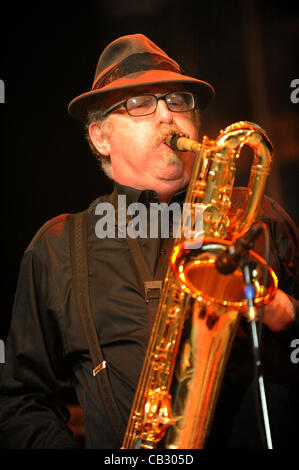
[{"x": 147, "y": 196}]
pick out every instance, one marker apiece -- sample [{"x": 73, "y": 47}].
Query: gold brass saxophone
[{"x": 200, "y": 308}]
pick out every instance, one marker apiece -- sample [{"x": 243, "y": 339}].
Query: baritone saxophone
[{"x": 200, "y": 308}]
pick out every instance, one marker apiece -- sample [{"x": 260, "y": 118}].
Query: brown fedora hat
[{"x": 130, "y": 62}]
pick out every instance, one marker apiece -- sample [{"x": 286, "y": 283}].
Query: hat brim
[{"x": 82, "y": 104}]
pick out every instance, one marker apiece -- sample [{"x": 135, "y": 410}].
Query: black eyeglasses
[{"x": 143, "y": 105}]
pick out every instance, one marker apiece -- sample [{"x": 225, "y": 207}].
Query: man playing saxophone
[{"x": 139, "y": 96}]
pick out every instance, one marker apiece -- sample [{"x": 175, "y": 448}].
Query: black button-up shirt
[{"x": 47, "y": 351}]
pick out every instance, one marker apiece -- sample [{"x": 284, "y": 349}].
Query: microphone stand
[{"x": 249, "y": 291}]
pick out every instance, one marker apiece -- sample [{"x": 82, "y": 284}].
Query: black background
[{"x": 49, "y": 51}]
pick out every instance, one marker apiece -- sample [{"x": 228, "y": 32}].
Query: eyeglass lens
[{"x": 146, "y": 104}]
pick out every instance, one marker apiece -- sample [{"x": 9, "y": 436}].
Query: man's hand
[{"x": 280, "y": 312}]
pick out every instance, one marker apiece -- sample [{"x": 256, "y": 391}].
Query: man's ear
[{"x": 99, "y": 139}]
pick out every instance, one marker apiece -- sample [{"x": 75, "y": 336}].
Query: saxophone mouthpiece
[
  {"x": 182, "y": 143},
  {"x": 172, "y": 140}
]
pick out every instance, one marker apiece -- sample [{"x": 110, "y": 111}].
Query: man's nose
[{"x": 163, "y": 113}]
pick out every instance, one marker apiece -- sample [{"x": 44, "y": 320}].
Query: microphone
[{"x": 228, "y": 260}]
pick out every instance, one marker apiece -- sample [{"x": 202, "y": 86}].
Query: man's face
[{"x": 139, "y": 156}]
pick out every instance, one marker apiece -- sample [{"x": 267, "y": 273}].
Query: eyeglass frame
[{"x": 157, "y": 97}]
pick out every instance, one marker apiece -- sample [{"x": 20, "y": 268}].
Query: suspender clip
[{"x": 152, "y": 290}]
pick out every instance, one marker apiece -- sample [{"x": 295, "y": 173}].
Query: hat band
[{"x": 136, "y": 63}]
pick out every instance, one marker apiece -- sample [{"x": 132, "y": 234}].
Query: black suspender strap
[{"x": 78, "y": 248}]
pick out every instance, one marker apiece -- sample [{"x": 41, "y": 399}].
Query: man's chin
[
  {"x": 172, "y": 171},
  {"x": 166, "y": 188},
  {"x": 171, "y": 177},
  {"x": 174, "y": 179}
]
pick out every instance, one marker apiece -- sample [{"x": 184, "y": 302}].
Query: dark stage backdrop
[{"x": 247, "y": 50}]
